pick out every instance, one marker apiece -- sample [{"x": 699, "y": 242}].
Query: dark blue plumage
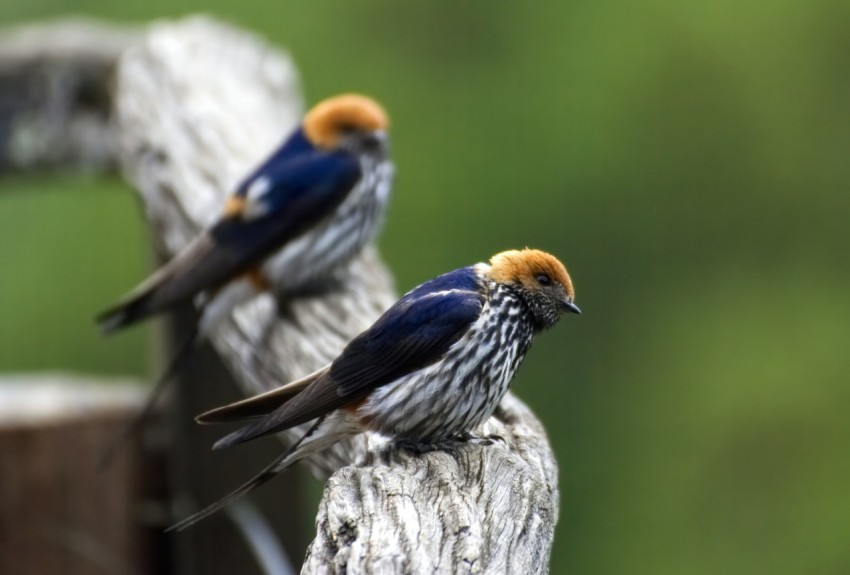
[
  {"x": 296, "y": 144},
  {"x": 297, "y": 192},
  {"x": 307, "y": 210},
  {"x": 431, "y": 369},
  {"x": 461, "y": 279},
  {"x": 310, "y": 190},
  {"x": 415, "y": 332},
  {"x": 294, "y": 172}
]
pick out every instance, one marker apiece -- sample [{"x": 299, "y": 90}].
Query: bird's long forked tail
[
  {"x": 290, "y": 456},
  {"x": 177, "y": 362},
  {"x": 136, "y": 306}
]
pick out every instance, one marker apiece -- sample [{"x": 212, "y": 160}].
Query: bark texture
[{"x": 197, "y": 104}]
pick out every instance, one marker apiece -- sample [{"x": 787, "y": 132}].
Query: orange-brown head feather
[
  {"x": 330, "y": 119},
  {"x": 523, "y": 266}
]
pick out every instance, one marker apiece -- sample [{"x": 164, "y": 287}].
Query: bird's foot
[
  {"x": 420, "y": 447},
  {"x": 480, "y": 440},
  {"x": 285, "y": 310}
]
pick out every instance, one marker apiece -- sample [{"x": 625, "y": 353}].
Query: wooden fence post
[
  {"x": 58, "y": 514},
  {"x": 477, "y": 509},
  {"x": 196, "y": 104}
]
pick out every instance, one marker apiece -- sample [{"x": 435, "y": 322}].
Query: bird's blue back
[
  {"x": 415, "y": 332},
  {"x": 297, "y": 169},
  {"x": 460, "y": 279}
]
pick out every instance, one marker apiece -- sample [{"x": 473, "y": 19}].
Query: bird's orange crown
[
  {"x": 328, "y": 120},
  {"x": 523, "y": 267}
]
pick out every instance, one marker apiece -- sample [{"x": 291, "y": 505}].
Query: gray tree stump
[{"x": 197, "y": 104}]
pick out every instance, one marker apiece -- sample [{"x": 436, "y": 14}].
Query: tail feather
[
  {"x": 185, "y": 275},
  {"x": 326, "y": 431},
  {"x": 142, "y": 417},
  {"x": 125, "y": 313},
  {"x": 266, "y": 474},
  {"x": 261, "y": 405},
  {"x": 291, "y": 455}
]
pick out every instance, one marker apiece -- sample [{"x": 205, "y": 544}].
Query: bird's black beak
[{"x": 570, "y": 306}]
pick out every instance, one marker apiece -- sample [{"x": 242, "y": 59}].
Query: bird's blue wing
[
  {"x": 285, "y": 198},
  {"x": 301, "y": 192},
  {"x": 298, "y": 190},
  {"x": 415, "y": 332}
]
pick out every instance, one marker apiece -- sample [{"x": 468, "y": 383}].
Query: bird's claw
[
  {"x": 419, "y": 447},
  {"x": 479, "y": 440}
]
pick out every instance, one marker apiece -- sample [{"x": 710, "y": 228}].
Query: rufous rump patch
[
  {"x": 258, "y": 280},
  {"x": 234, "y": 206},
  {"x": 354, "y": 405},
  {"x": 329, "y": 119}
]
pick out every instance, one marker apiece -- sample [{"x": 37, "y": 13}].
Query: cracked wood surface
[{"x": 197, "y": 104}]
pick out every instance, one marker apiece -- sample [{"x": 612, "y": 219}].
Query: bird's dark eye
[
  {"x": 346, "y": 128},
  {"x": 543, "y": 279},
  {"x": 370, "y": 142}
]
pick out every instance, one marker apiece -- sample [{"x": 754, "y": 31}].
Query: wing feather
[
  {"x": 300, "y": 192},
  {"x": 416, "y": 332},
  {"x": 260, "y": 405}
]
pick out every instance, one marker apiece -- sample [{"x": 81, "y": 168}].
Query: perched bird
[
  {"x": 303, "y": 213},
  {"x": 431, "y": 369}
]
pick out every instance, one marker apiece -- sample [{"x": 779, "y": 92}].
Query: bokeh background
[{"x": 687, "y": 160}]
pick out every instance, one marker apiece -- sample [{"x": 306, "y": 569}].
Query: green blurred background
[{"x": 688, "y": 161}]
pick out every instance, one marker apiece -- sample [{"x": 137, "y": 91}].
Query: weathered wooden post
[
  {"x": 196, "y": 104},
  {"x": 57, "y": 513},
  {"x": 477, "y": 509}
]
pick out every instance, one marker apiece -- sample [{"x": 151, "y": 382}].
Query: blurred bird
[
  {"x": 306, "y": 211},
  {"x": 427, "y": 372}
]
